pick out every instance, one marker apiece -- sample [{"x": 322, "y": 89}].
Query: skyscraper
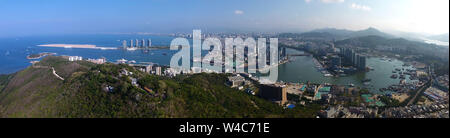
[
  {"x": 143, "y": 43},
  {"x": 158, "y": 71},
  {"x": 362, "y": 63},
  {"x": 124, "y": 43},
  {"x": 137, "y": 43},
  {"x": 336, "y": 61},
  {"x": 353, "y": 57},
  {"x": 131, "y": 43},
  {"x": 149, "y": 42}
]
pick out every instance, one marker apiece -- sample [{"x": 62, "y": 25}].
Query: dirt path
[{"x": 47, "y": 67}]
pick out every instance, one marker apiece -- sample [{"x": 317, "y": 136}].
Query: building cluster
[
  {"x": 225, "y": 35},
  {"x": 348, "y": 112},
  {"x": 97, "y": 61},
  {"x": 435, "y": 110},
  {"x": 441, "y": 82},
  {"x": 137, "y": 43},
  {"x": 152, "y": 69},
  {"x": 79, "y": 58},
  {"x": 350, "y": 57},
  {"x": 436, "y": 95},
  {"x": 75, "y": 58},
  {"x": 238, "y": 81}
]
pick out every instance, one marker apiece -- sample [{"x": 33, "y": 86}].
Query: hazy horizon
[{"x": 21, "y": 18}]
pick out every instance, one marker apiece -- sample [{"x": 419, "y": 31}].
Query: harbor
[{"x": 303, "y": 69}]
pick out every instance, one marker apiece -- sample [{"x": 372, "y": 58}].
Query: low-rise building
[
  {"x": 236, "y": 81},
  {"x": 274, "y": 92},
  {"x": 75, "y": 58}
]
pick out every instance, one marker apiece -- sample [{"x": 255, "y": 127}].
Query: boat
[
  {"x": 132, "y": 61},
  {"x": 122, "y": 60},
  {"x": 394, "y": 76},
  {"x": 366, "y": 80},
  {"x": 351, "y": 85}
]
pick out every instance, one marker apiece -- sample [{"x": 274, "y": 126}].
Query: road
[{"x": 421, "y": 89}]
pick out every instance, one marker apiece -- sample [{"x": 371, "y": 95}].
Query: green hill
[{"x": 37, "y": 92}]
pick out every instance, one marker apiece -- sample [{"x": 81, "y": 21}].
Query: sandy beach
[
  {"x": 69, "y": 45},
  {"x": 77, "y": 46}
]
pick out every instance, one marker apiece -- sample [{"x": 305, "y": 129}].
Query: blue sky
[{"x": 35, "y": 17}]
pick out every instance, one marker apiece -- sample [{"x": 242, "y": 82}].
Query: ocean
[{"x": 13, "y": 51}]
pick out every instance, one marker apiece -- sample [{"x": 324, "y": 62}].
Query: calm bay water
[{"x": 303, "y": 69}]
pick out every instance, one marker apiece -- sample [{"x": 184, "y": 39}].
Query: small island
[{"x": 40, "y": 55}]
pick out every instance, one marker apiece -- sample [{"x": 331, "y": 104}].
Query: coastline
[{"x": 40, "y": 55}]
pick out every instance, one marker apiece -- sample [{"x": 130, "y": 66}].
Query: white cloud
[
  {"x": 238, "y": 12},
  {"x": 360, "y": 7}
]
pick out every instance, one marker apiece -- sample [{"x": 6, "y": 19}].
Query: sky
[{"x": 36, "y": 17}]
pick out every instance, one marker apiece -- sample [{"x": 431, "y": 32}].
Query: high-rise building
[
  {"x": 282, "y": 52},
  {"x": 143, "y": 43},
  {"x": 158, "y": 71},
  {"x": 336, "y": 61},
  {"x": 124, "y": 43},
  {"x": 131, "y": 43},
  {"x": 362, "y": 63},
  {"x": 148, "y": 69},
  {"x": 274, "y": 93},
  {"x": 149, "y": 42},
  {"x": 137, "y": 43}
]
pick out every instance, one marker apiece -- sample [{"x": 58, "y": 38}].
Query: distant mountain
[
  {"x": 411, "y": 47},
  {"x": 371, "y": 31},
  {"x": 334, "y": 31},
  {"x": 341, "y": 34},
  {"x": 442, "y": 37},
  {"x": 310, "y": 36}
]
